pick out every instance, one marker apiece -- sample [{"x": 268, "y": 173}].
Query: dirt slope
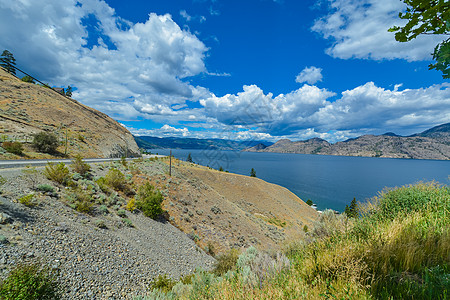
[
  {"x": 229, "y": 210},
  {"x": 27, "y": 108}
]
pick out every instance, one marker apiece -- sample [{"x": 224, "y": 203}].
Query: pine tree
[
  {"x": 8, "y": 62},
  {"x": 352, "y": 210},
  {"x": 189, "y": 158},
  {"x": 252, "y": 173}
]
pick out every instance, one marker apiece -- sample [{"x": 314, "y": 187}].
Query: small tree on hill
[
  {"x": 352, "y": 210},
  {"x": 8, "y": 62},
  {"x": 252, "y": 173},
  {"x": 189, "y": 158},
  {"x": 45, "y": 142},
  {"x": 309, "y": 202},
  {"x": 69, "y": 91},
  {"x": 28, "y": 79}
]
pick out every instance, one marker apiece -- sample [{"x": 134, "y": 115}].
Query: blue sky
[{"x": 253, "y": 69}]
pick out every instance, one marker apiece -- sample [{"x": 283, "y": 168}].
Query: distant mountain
[
  {"x": 433, "y": 143},
  {"x": 151, "y": 142}
]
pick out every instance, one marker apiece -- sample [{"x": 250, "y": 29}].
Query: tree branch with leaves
[{"x": 428, "y": 17}]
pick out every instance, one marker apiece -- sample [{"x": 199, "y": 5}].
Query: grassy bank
[{"x": 398, "y": 248}]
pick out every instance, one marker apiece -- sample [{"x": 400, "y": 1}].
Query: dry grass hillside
[
  {"x": 230, "y": 211},
  {"x": 26, "y": 109}
]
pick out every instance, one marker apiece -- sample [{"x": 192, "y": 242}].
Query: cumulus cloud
[
  {"x": 310, "y": 75},
  {"x": 358, "y": 29},
  {"x": 164, "y": 131},
  {"x": 274, "y": 115},
  {"x": 310, "y": 111},
  {"x": 119, "y": 67}
]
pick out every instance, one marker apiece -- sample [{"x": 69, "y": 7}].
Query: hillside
[
  {"x": 110, "y": 250},
  {"x": 26, "y": 109},
  {"x": 430, "y": 144},
  {"x": 150, "y": 142}
]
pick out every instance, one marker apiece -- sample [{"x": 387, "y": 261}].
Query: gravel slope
[{"x": 113, "y": 263}]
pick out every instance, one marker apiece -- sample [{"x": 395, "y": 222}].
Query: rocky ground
[
  {"x": 100, "y": 256},
  {"x": 114, "y": 262}
]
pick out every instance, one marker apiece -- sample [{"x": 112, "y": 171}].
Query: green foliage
[
  {"x": 127, "y": 222},
  {"x": 45, "y": 142},
  {"x": 122, "y": 213},
  {"x": 8, "y": 62},
  {"x": 427, "y": 17},
  {"x": 79, "y": 166},
  {"x": 45, "y": 188},
  {"x": 116, "y": 179},
  {"x": 149, "y": 201},
  {"x": 226, "y": 262},
  {"x": 252, "y": 173},
  {"x": 162, "y": 283},
  {"x": 81, "y": 200},
  {"x": 2, "y": 180},
  {"x": 13, "y": 147},
  {"x": 28, "y": 200},
  {"x": 28, "y": 79},
  {"x": 29, "y": 282},
  {"x": 69, "y": 91},
  {"x": 309, "y": 202},
  {"x": 57, "y": 172},
  {"x": 220, "y": 169},
  {"x": 100, "y": 224},
  {"x": 352, "y": 210},
  {"x": 189, "y": 158}
]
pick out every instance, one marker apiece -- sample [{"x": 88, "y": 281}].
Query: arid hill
[
  {"x": 231, "y": 211},
  {"x": 430, "y": 144},
  {"x": 26, "y": 109}
]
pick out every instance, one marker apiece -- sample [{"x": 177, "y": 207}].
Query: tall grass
[{"x": 398, "y": 248}]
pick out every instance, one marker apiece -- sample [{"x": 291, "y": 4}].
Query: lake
[{"x": 329, "y": 181}]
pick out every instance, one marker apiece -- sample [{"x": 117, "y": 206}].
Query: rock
[{"x": 5, "y": 218}]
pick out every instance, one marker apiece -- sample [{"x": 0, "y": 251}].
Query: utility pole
[{"x": 170, "y": 163}]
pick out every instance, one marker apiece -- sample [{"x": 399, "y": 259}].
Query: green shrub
[
  {"x": 81, "y": 200},
  {"x": 2, "y": 182},
  {"x": 58, "y": 173},
  {"x": 45, "y": 142},
  {"x": 45, "y": 188},
  {"x": 149, "y": 201},
  {"x": 226, "y": 262},
  {"x": 80, "y": 167},
  {"x": 13, "y": 147},
  {"x": 122, "y": 213},
  {"x": 28, "y": 200},
  {"x": 101, "y": 224},
  {"x": 127, "y": 222},
  {"x": 115, "y": 179},
  {"x": 162, "y": 283},
  {"x": 102, "y": 184},
  {"x": 29, "y": 282},
  {"x": 309, "y": 202}
]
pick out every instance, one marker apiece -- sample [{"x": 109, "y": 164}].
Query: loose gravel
[{"x": 113, "y": 262}]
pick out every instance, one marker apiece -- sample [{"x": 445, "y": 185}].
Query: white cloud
[
  {"x": 309, "y": 112},
  {"x": 310, "y": 75},
  {"x": 164, "y": 131},
  {"x": 273, "y": 115},
  {"x": 133, "y": 69},
  {"x": 358, "y": 29},
  {"x": 185, "y": 15}
]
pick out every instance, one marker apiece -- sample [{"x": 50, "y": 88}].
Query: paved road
[{"x": 8, "y": 164}]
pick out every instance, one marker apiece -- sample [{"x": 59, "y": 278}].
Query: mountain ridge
[{"x": 433, "y": 143}]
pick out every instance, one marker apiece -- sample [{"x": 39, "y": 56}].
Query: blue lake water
[{"x": 329, "y": 181}]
